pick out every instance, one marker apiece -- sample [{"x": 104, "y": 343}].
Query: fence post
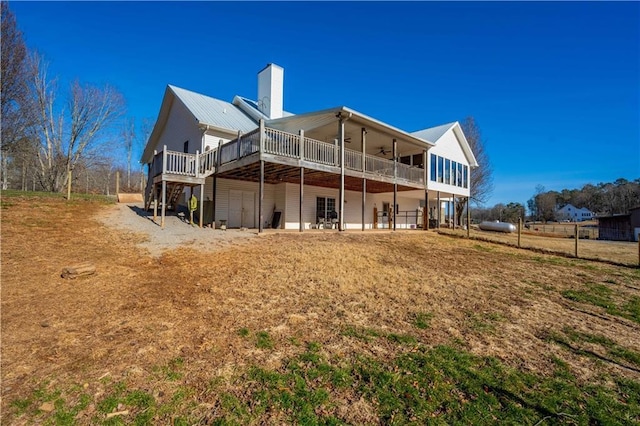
[
  {"x": 197, "y": 170},
  {"x": 577, "y": 236},
  {"x": 117, "y": 182},
  {"x": 519, "y": 230}
]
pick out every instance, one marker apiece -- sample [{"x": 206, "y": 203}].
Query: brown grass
[
  {"x": 626, "y": 253},
  {"x": 138, "y": 313}
]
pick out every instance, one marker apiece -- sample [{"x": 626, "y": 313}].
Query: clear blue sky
[{"x": 554, "y": 87}]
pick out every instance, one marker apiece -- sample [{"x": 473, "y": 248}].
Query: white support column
[
  {"x": 439, "y": 213},
  {"x": 300, "y": 215},
  {"x": 425, "y": 213},
  {"x": 395, "y": 181},
  {"x": 363, "y": 138},
  {"x": 301, "y": 199},
  {"x": 261, "y": 199},
  {"x": 341, "y": 202}
]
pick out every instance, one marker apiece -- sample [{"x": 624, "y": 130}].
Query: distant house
[
  {"x": 620, "y": 227},
  {"x": 574, "y": 214},
  {"x": 255, "y": 165}
]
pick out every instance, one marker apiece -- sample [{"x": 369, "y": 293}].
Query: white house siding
[
  {"x": 179, "y": 128},
  {"x": 353, "y": 205},
  {"x": 224, "y": 188},
  {"x": 211, "y": 140},
  {"x": 448, "y": 147}
]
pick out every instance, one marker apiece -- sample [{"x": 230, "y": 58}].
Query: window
[
  {"x": 434, "y": 167},
  {"x": 440, "y": 169},
  {"x": 454, "y": 172},
  {"x": 459, "y": 175},
  {"x": 447, "y": 171},
  {"x": 324, "y": 207},
  {"x": 466, "y": 176},
  {"x": 185, "y": 147}
]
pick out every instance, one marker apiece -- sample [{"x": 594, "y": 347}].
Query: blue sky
[{"x": 554, "y": 87}]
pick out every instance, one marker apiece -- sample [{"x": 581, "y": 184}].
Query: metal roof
[
  {"x": 215, "y": 112},
  {"x": 433, "y": 133}
]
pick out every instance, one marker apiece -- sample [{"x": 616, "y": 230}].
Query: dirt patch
[
  {"x": 131, "y": 218},
  {"x": 204, "y": 296}
]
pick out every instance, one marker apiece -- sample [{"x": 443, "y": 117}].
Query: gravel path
[{"x": 176, "y": 233}]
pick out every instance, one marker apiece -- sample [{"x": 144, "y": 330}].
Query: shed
[{"x": 620, "y": 227}]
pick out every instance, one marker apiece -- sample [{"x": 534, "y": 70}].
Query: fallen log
[{"x": 79, "y": 270}]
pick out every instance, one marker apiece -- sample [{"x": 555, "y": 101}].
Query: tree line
[
  {"x": 603, "y": 199},
  {"x": 56, "y": 138}
]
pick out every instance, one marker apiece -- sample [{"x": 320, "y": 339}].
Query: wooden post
[
  {"x": 301, "y": 198},
  {"x": 341, "y": 195},
  {"x": 468, "y": 217},
  {"x": 454, "y": 215},
  {"x": 438, "y": 216},
  {"x": 375, "y": 217},
  {"x": 364, "y": 199},
  {"x": 301, "y": 144},
  {"x": 425, "y": 211},
  {"x": 363, "y": 139},
  {"x": 164, "y": 203},
  {"x": 519, "y": 230},
  {"x": 201, "y": 214},
  {"x": 577, "y": 237},
  {"x": 238, "y": 144},
  {"x": 261, "y": 199},
  {"x": 68, "y": 184},
  {"x": 117, "y": 182},
  {"x": 155, "y": 203},
  {"x": 197, "y": 170},
  {"x": 395, "y": 181}
]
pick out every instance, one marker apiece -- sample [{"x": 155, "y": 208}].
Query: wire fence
[{"x": 608, "y": 244}]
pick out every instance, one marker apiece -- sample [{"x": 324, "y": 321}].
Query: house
[
  {"x": 620, "y": 227},
  {"x": 574, "y": 214},
  {"x": 255, "y": 165}
]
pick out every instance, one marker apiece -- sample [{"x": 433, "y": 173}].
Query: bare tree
[
  {"x": 67, "y": 135},
  {"x": 481, "y": 179},
  {"x": 128, "y": 135},
  {"x": 17, "y": 112}
]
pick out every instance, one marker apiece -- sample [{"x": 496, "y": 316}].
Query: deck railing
[
  {"x": 353, "y": 160},
  {"x": 208, "y": 162},
  {"x": 281, "y": 143},
  {"x": 180, "y": 163},
  {"x": 319, "y": 152},
  {"x": 284, "y": 144},
  {"x": 379, "y": 166}
]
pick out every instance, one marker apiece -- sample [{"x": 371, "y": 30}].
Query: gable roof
[
  {"x": 214, "y": 112},
  {"x": 207, "y": 112},
  {"x": 433, "y": 134}
]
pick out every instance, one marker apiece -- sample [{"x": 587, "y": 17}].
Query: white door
[
  {"x": 248, "y": 209},
  {"x": 241, "y": 209},
  {"x": 235, "y": 209}
]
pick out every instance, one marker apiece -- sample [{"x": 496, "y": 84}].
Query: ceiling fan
[{"x": 384, "y": 151}]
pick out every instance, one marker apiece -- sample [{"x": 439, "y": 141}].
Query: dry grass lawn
[{"x": 179, "y": 337}]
